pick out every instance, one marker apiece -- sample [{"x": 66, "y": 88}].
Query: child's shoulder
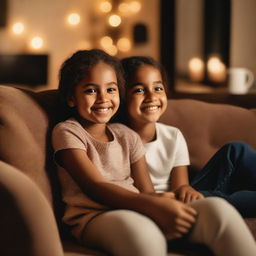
[
  {"x": 167, "y": 130},
  {"x": 166, "y": 127},
  {"x": 69, "y": 124},
  {"x": 122, "y": 130}
]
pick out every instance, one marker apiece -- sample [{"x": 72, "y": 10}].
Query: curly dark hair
[
  {"x": 79, "y": 64},
  {"x": 76, "y": 67}
]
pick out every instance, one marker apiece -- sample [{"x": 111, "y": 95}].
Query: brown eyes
[
  {"x": 111, "y": 90},
  {"x": 92, "y": 90},
  {"x": 138, "y": 90},
  {"x": 142, "y": 90}
]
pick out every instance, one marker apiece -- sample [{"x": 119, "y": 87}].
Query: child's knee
[
  {"x": 216, "y": 213},
  {"x": 127, "y": 233},
  {"x": 236, "y": 145},
  {"x": 143, "y": 235}
]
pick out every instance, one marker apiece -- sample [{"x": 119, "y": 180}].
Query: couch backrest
[
  {"x": 25, "y": 124},
  {"x": 27, "y": 118},
  {"x": 208, "y": 126}
]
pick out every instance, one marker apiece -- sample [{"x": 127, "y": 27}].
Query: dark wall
[
  {"x": 3, "y": 13},
  {"x": 167, "y": 40}
]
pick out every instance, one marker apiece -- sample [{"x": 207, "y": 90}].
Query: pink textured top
[{"x": 112, "y": 159}]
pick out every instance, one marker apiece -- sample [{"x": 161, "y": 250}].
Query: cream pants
[{"x": 126, "y": 233}]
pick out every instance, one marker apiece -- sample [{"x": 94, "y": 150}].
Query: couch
[{"x": 30, "y": 201}]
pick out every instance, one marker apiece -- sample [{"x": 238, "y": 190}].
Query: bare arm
[
  {"x": 179, "y": 177},
  {"x": 91, "y": 182},
  {"x": 140, "y": 174},
  {"x": 180, "y": 185},
  {"x": 173, "y": 217}
]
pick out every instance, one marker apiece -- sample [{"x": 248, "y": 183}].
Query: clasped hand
[
  {"x": 187, "y": 194},
  {"x": 174, "y": 218}
]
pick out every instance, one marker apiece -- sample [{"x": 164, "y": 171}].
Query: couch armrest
[{"x": 27, "y": 223}]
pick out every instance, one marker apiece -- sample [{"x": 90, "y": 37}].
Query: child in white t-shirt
[
  {"x": 166, "y": 149},
  {"x": 230, "y": 174}
]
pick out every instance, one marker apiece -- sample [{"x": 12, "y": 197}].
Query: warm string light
[
  {"x": 123, "y": 44},
  {"x": 112, "y": 50},
  {"x": 36, "y": 43},
  {"x": 73, "y": 18},
  {"x": 124, "y": 8},
  {"x": 135, "y": 6},
  {"x": 129, "y": 8},
  {"x": 106, "y": 42},
  {"x": 115, "y": 19},
  {"x": 18, "y": 28},
  {"x": 105, "y": 6}
]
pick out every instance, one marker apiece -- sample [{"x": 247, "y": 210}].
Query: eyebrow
[
  {"x": 96, "y": 85},
  {"x": 158, "y": 82},
  {"x": 141, "y": 84}
]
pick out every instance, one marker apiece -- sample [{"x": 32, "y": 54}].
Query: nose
[
  {"x": 102, "y": 96},
  {"x": 150, "y": 96}
]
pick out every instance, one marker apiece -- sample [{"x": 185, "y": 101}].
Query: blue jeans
[{"x": 231, "y": 174}]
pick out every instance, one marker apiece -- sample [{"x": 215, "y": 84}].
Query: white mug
[{"x": 239, "y": 80}]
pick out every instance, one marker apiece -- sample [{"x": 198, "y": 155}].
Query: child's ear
[{"x": 71, "y": 102}]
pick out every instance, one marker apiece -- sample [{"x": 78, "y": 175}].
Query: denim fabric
[{"x": 231, "y": 174}]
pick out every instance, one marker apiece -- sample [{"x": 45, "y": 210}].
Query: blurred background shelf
[{"x": 185, "y": 89}]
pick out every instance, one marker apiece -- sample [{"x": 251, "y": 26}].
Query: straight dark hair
[{"x": 131, "y": 64}]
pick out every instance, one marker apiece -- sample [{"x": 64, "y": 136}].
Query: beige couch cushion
[
  {"x": 208, "y": 126},
  {"x": 23, "y": 132}
]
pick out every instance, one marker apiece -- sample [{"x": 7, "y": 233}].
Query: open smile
[
  {"x": 102, "y": 110},
  {"x": 150, "y": 108}
]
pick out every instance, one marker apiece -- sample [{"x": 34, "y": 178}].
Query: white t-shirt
[{"x": 167, "y": 151}]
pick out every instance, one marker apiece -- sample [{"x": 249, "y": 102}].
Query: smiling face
[
  {"x": 146, "y": 97},
  {"x": 96, "y": 97}
]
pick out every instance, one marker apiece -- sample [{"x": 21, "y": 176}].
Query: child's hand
[
  {"x": 187, "y": 194},
  {"x": 167, "y": 194},
  {"x": 173, "y": 217}
]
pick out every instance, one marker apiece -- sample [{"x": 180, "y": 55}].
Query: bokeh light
[
  {"x": 124, "y": 44},
  {"x": 18, "y": 28},
  {"x": 105, "y": 6},
  {"x": 114, "y": 20},
  {"x": 73, "y": 19},
  {"x": 37, "y": 42}
]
